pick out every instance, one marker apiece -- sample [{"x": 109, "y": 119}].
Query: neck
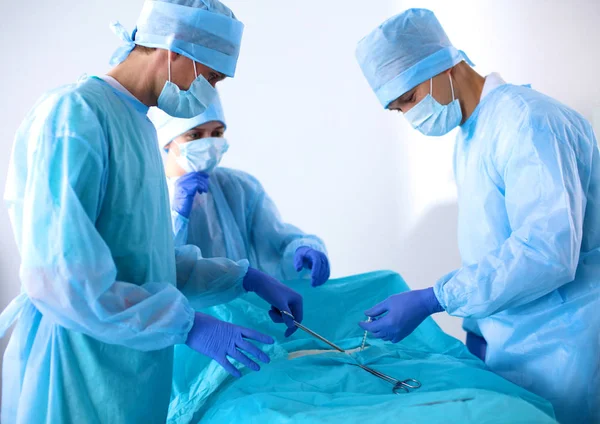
[
  {"x": 134, "y": 74},
  {"x": 468, "y": 86}
]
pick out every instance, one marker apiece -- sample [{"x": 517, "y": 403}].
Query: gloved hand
[
  {"x": 314, "y": 260},
  {"x": 476, "y": 345},
  {"x": 218, "y": 339},
  {"x": 279, "y": 296},
  {"x": 186, "y": 188},
  {"x": 405, "y": 311}
]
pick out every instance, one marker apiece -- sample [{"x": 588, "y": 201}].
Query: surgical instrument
[
  {"x": 399, "y": 385},
  {"x": 312, "y": 333},
  {"x": 364, "y": 340}
]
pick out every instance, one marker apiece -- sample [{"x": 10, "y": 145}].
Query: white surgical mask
[
  {"x": 432, "y": 118},
  {"x": 186, "y": 103},
  {"x": 202, "y": 155}
]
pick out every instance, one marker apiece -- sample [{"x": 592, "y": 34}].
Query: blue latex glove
[
  {"x": 476, "y": 345},
  {"x": 219, "y": 339},
  {"x": 314, "y": 260},
  {"x": 278, "y": 295},
  {"x": 405, "y": 311},
  {"x": 186, "y": 188}
]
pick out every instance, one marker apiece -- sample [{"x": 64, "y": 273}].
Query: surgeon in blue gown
[
  {"x": 105, "y": 296},
  {"x": 226, "y": 212},
  {"x": 528, "y": 174}
]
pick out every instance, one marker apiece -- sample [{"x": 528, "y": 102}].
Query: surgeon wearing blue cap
[
  {"x": 528, "y": 174},
  {"x": 226, "y": 212},
  {"x": 105, "y": 296}
]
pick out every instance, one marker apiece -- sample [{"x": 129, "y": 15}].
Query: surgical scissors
[{"x": 400, "y": 386}]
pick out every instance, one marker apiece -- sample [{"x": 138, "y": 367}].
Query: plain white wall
[{"x": 303, "y": 120}]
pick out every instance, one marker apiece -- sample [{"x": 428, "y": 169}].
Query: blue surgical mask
[
  {"x": 202, "y": 155},
  {"x": 186, "y": 103},
  {"x": 432, "y": 118}
]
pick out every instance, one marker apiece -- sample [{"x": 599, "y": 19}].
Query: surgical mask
[
  {"x": 186, "y": 103},
  {"x": 202, "y": 155},
  {"x": 432, "y": 118}
]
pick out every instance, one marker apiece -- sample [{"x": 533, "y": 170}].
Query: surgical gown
[
  {"x": 88, "y": 202},
  {"x": 528, "y": 176},
  {"x": 236, "y": 219}
]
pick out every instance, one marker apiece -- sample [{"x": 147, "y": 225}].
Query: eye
[
  {"x": 218, "y": 133},
  {"x": 213, "y": 77},
  {"x": 194, "y": 136}
]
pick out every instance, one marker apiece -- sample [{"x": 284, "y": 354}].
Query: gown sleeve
[{"x": 545, "y": 203}]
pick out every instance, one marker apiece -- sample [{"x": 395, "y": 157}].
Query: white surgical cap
[
  {"x": 169, "y": 128},
  {"x": 203, "y": 30},
  {"x": 405, "y": 51}
]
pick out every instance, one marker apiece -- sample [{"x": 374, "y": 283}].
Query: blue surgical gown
[
  {"x": 106, "y": 296},
  {"x": 528, "y": 176},
  {"x": 236, "y": 219}
]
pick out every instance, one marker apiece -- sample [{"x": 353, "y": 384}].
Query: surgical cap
[
  {"x": 405, "y": 51},
  {"x": 169, "y": 128},
  {"x": 205, "y": 31}
]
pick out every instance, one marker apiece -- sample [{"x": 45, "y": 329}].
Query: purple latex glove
[
  {"x": 314, "y": 260},
  {"x": 186, "y": 188},
  {"x": 476, "y": 345},
  {"x": 219, "y": 339},
  {"x": 278, "y": 295},
  {"x": 405, "y": 311}
]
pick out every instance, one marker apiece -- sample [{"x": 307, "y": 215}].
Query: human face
[
  {"x": 209, "y": 129},
  {"x": 438, "y": 86},
  {"x": 183, "y": 72}
]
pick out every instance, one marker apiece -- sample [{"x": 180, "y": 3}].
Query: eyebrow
[{"x": 197, "y": 129}]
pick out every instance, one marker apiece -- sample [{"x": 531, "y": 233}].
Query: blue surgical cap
[
  {"x": 405, "y": 51},
  {"x": 206, "y": 31},
  {"x": 169, "y": 128}
]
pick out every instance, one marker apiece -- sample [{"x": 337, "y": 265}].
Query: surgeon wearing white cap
[
  {"x": 226, "y": 212},
  {"x": 528, "y": 174}
]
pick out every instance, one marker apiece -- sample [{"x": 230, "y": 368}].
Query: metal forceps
[{"x": 400, "y": 386}]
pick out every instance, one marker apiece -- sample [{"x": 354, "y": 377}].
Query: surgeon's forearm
[
  {"x": 68, "y": 271},
  {"x": 180, "y": 229},
  {"x": 502, "y": 280},
  {"x": 147, "y": 317},
  {"x": 208, "y": 282}
]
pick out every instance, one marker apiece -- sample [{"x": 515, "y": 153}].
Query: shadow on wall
[
  {"x": 430, "y": 246},
  {"x": 432, "y": 241}
]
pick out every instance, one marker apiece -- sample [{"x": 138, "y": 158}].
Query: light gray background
[{"x": 303, "y": 120}]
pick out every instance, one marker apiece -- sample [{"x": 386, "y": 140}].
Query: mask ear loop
[
  {"x": 195, "y": 69},
  {"x": 451, "y": 86},
  {"x": 431, "y": 87},
  {"x": 180, "y": 148},
  {"x": 169, "y": 60}
]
